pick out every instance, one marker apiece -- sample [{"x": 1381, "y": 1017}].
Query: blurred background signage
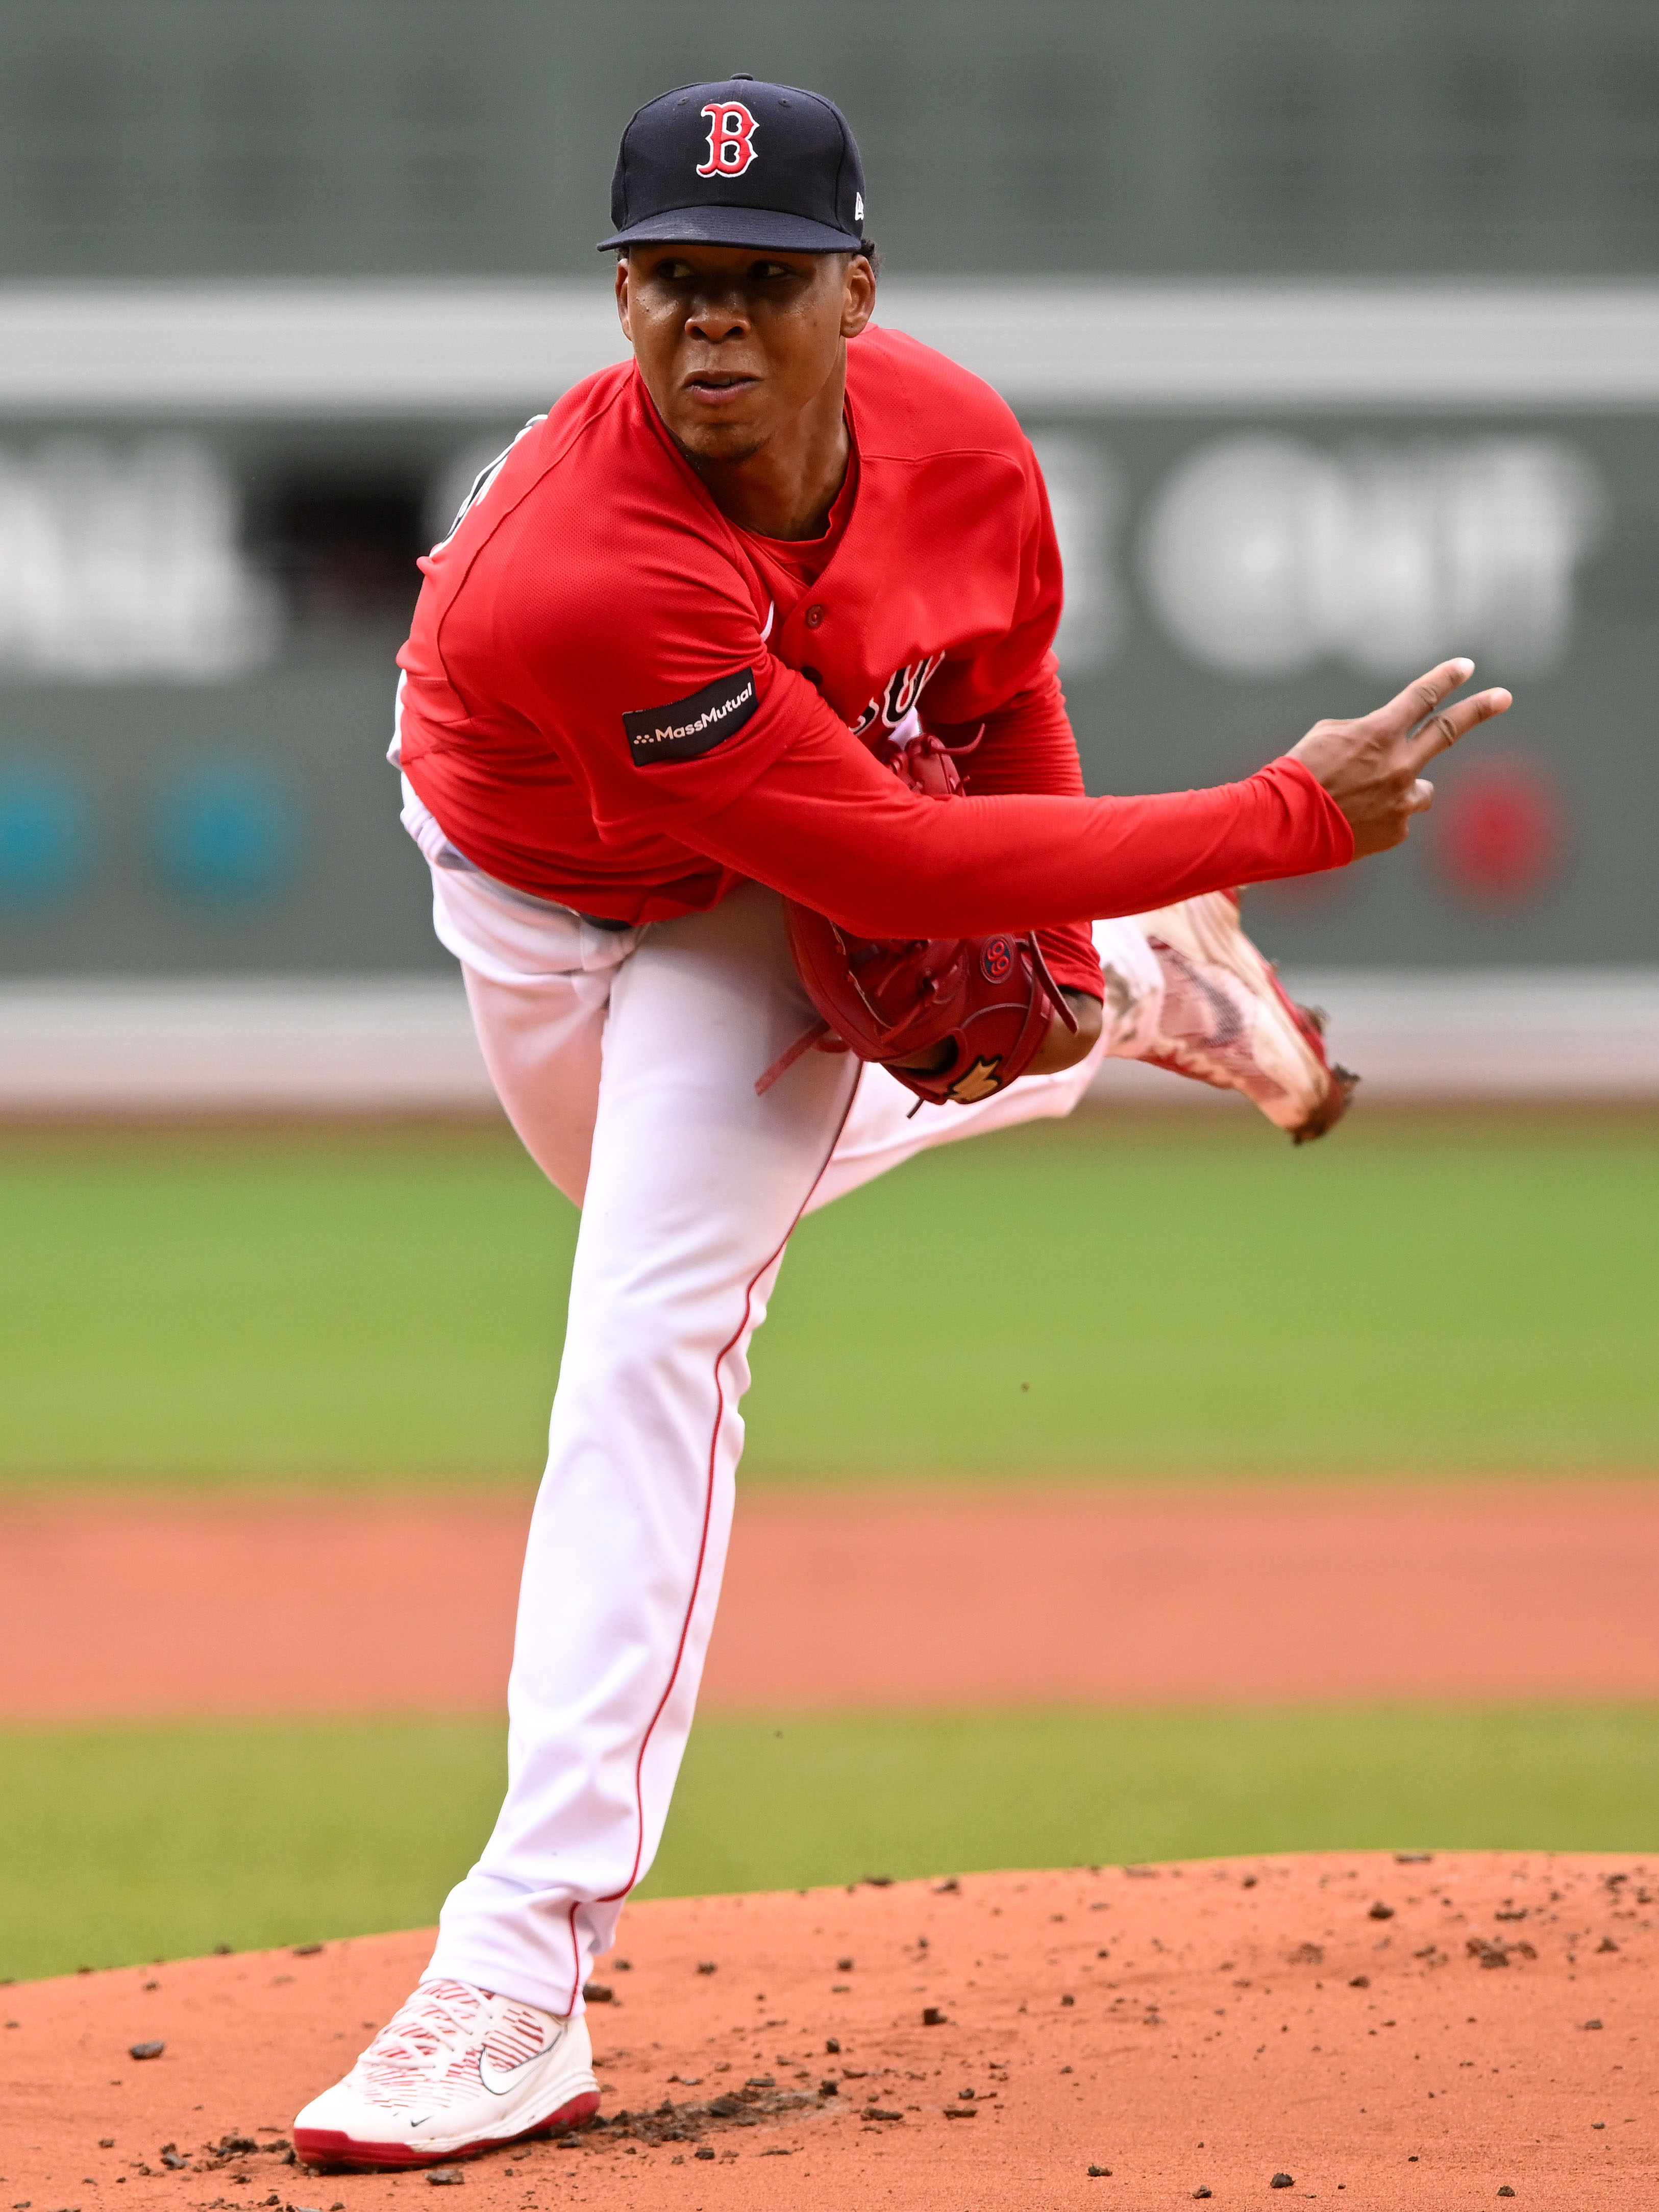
[{"x": 1336, "y": 326}]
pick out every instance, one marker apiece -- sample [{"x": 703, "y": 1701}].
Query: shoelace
[{"x": 438, "y": 2024}]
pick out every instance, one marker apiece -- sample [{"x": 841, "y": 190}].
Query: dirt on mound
[{"x": 1433, "y": 2031}]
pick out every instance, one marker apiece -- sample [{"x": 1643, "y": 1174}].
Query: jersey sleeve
[
  {"x": 692, "y": 726},
  {"x": 652, "y": 679},
  {"x": 641, "y": 658},
  {"x": 827, "y": 825}
]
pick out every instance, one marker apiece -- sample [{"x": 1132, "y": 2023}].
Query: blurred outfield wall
[{"x": 1337, "y": 327}]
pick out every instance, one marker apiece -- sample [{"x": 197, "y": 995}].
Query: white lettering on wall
[
  {"x": 123, "y": 561},
  {"x": 1262, "y": 555}
]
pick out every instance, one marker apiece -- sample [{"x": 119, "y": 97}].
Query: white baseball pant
[{"x": 626, "y": 1062}]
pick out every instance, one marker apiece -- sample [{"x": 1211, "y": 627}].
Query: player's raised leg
[
  {"x": 539, "y": 980},
  {"x": 1186, "y": 991},
  {"x": 1226, "y": 1019},
  {"x": 888, "y": 1124}
]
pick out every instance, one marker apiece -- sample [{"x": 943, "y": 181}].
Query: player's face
[{"x": 735, "y": 343}]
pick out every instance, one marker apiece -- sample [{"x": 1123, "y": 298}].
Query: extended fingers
[
  {"x": 1446, "y": 728},
  {"x": 1423, "y": 696}
]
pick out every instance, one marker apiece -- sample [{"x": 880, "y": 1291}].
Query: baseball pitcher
[{"x": 730, "y": 728}]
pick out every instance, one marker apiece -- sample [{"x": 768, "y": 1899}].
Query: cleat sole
[{"x": 331, "y": 2148}]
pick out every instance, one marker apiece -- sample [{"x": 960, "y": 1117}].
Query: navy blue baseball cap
[{"x": 739, "y": 163}]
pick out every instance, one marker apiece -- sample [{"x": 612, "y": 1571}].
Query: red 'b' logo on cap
[{"x": 731, "y": 139}]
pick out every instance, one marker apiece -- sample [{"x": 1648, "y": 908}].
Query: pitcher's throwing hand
[{"x": 1373, "y": 767}]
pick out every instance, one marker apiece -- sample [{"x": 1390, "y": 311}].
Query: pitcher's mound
[{"x": 1363, "y": 2029}]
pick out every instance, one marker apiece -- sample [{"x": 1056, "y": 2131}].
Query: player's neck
[{"x": 786, "y": 488}]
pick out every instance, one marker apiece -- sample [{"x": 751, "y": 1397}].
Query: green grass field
[
  {"x": 148, "y": 1842},
  {"x": 1112, "y": 1296}
]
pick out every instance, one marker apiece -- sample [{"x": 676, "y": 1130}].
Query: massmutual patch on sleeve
[{"x": 687, "y": 728}]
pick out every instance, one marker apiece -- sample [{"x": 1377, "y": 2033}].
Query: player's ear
[
  {"x": 622, "y": 295},
  {"x": 858, "y": 294}
]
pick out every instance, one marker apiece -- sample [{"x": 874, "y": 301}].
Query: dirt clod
[{"x": 145, "y": 2050}]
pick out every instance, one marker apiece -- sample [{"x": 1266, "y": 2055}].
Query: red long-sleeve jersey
[{"x": 616, "y": 698}]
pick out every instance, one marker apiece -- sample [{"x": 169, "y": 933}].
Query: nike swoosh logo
[{"x": 499, "y": 2080}]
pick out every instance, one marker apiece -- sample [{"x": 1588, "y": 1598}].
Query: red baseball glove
[{"x": 975, "y": 1009}]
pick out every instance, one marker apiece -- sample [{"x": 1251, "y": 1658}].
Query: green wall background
[
  {"x": 1200, "y": 138},
  {"x": 181, "y": 137}
]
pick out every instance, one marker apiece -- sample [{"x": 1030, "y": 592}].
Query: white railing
[
  {"x": 375, "y": 1045},
  {"x": 399, "y": 348}
]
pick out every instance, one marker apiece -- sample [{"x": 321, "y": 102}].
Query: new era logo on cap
[{"x": 739, "y": 163}]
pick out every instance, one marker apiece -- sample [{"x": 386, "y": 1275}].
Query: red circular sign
[{"x": 1497, "y": 831}]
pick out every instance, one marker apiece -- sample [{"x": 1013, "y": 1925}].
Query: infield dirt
[
  {"x": 114, "y": 1607},
  {"x": 1427, "y": 2034}
]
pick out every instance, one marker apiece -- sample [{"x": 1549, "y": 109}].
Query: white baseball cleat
[
  {"x": 456, "y": 2070},
  {"x": 1226, "y": 1021}
]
